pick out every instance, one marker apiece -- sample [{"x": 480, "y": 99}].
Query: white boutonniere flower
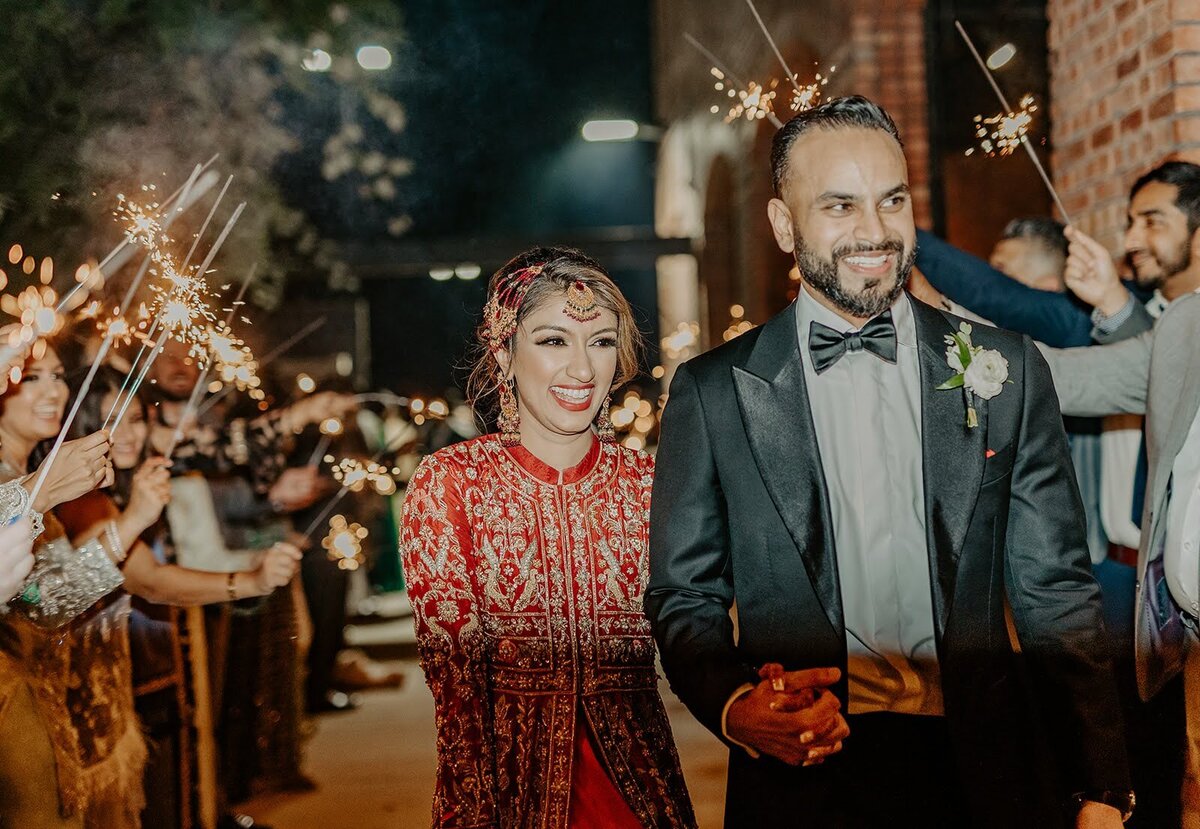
[{"x": 981, "y": 372}]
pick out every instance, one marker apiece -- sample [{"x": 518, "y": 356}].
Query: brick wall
[
  {"x": 878, "y": 46},
  {"x": 888, "y": 63},
  {"x": 1125, "y": 95}
]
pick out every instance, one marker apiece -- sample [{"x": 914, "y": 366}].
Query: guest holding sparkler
[
  {"x": 131, "y": 510},
  {"x": 134, "y": 504},
  {"x": 526, "y": 557},
  {"x": 51, "y": 773}
]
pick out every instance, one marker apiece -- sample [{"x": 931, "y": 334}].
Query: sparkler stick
[
  {"x": 279, "y": 351},
  {"x": 771, "y": 116},
  {"x": 62, "y": 433},
  {"x": 1033, "y": 156},
  {"x": 129, "y": 395},
  {"x": 158, "y": 319},
  {"x": 200, "y": 234},
  {"x": 774, "y": 48},
  {"x": 384, "y": 397},
  {"x": 212, "y": 252},
  {"x": 187, "y": 195},
  {"x": 315, "y": 458},
  {"x": 198, "y": 389},
  {"x": 341, "y": 493}
]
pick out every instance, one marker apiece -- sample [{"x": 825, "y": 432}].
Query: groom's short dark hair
[{"x": 849, "y": 112}]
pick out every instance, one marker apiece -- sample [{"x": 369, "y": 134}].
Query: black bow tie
[{"x": 827, "y": 345}]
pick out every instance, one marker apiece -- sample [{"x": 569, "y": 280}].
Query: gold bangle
[{"x": 231, "y": 587}]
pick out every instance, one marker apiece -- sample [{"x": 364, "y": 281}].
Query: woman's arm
[{"x": 171, "y": 584}]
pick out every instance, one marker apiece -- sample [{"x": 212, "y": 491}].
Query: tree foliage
[{"x": 99, "y": 97}]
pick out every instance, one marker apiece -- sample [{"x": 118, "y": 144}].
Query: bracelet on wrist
[{"x": 116, "y": 550}]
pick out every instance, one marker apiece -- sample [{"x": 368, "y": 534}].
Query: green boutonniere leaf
[{"x": 955, "y": 382}]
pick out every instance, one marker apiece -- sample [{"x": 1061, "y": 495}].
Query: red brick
[
  {"x": 1187, "y": 98},
  {"x": 1186, "y": 37},
  {"x": 1103, "y": 136},
  {"x": 1187, "y": 68},
  {"x": 1187, "y": 130},
  {"x": 1132, "y": 121},
  {"x": 1161, "y": 45},
  {"x": 1128, "y": 65},
  {"x": 1162, "y": 107},
  {"x": 1125, "y": 8}
]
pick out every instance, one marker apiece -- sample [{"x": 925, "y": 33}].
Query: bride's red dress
[{"x": 527, "y": 590}]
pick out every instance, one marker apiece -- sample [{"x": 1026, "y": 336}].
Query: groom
[{"x": 842, "y": 507}]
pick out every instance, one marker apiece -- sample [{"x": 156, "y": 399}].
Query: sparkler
[
  {"x": 175, "y": 204},
  {"x": 1033, "y": 156},
  {"x": 181, "y": 309},
  {"x": 790, "y": 75},
  {"x": 755, "y": 102},
  {"x": 70, "y": 419},
  {"x": 721, "y": 74},
  {"x": 807, "y": 96},
  {"x": 1001, "y": 134},
  {"x": 343, "y": 545},
  {"x": 278, "y": 351},
  {"x": 330, "y": 429},
  {"x": 198, "y": 389},
  {"x": 341, "y": 493}
]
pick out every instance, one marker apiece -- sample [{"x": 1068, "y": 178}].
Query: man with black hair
[
  {"x": 1032, "y": 251},
  {"x": 869, "y": 501}
]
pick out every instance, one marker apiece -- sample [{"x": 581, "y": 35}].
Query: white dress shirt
[
  {"x": 867, "y": 414},
  {"x": 1181, "y": 556}
]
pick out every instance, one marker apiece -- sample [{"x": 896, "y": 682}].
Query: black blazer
[{"x": 740, "y": 513}]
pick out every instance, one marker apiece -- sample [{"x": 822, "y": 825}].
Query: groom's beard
[{"x": 876, "y": 295}]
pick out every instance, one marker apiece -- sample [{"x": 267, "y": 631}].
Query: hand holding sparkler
[
  {"x": 278, "y": 567},
  {"x": 317, "y": 408},
  {"x": 150, "y": 493},
  {"x": 1091, "y": 275},
  {"x": 298, "y": 487},
  {"x": 75, "y": 470}
]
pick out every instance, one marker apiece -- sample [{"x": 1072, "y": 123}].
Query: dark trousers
[
  {"x": 325, "y": 592},
  {"x": 895, "y": 771}
]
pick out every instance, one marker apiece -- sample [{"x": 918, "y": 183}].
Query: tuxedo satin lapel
[
  {"x": 953, "y": 457},
  {"x": 773, "y": 401}
]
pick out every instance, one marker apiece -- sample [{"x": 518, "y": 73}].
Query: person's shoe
[
  {"x": 334, "y": 702},
  {"x": 355, "y": 671},
  {"x": 229, "y": 820}
]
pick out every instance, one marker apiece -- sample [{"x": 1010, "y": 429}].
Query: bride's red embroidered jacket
[{"x": 526, "y": 586}]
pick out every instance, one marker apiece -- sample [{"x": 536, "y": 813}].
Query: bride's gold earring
[
  {"x": 604, "y": 427},
  {"x": 510, "y": 416}
]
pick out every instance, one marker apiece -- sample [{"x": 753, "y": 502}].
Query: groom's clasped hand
[{"x": 790, "y": 715}]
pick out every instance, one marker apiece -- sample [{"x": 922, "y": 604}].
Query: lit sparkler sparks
[
  {"x": 1003, "y": 133},
  {"x": 754, "y": 103},
  {"x": 805, "y": 97},
  {"x": 116, "y": 328},
  {"x": 343, "y": 544},
  {"x": 181, "y": 306},
  {"x": 356, "y": 475},
  {"x": 34, "y": 309},
  {"x": 233, "y": 361},
  {"x": 141, "y": 222}
]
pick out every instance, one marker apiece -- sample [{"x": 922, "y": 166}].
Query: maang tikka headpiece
[
  {"x": 500, "y": 313},
  {"x": 581, "y": 303}
]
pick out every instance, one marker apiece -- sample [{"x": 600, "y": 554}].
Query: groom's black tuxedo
[{"x": 741, "y": 514}]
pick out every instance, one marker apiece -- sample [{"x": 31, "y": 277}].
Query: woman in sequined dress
[
  {"x": 57, "y": 642},
  {"x": 526, "y": 558}
]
